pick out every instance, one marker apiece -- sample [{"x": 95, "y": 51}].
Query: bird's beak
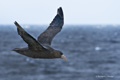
[{"x": 63, "y": 57}]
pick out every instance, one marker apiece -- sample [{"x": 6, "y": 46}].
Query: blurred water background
[{"x": 93, "y": 53}]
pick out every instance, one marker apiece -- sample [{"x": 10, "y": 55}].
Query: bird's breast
[{"x": 38, "y": 54}]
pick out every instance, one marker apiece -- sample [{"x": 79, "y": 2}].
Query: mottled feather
[{"x": 54, "y": 27}]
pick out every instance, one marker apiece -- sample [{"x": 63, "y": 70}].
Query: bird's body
[
  {"x": 41, "y": 48},
  {"x": 46, "y": 54}
]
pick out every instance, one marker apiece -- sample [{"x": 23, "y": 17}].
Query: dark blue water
[{"x": 93, "y": 54}]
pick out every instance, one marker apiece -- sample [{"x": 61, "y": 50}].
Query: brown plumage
[{"x": 41, "y": 48}]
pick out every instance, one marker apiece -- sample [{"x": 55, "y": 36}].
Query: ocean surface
[{"x": 93, "y": 53}]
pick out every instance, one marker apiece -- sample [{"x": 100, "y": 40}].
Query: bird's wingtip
[
  {"x": 60, "y": 11},
  {"x": 15, "y": 22},
  {"x": 60, "y": 8}
]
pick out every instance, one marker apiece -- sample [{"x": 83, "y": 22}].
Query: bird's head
[{"x": 60, "y": 55}]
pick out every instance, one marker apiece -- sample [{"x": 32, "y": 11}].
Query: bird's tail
[{"x": 16, "y": 50}]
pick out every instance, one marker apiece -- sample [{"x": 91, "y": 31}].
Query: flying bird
[{"x": 41, "y": 48}]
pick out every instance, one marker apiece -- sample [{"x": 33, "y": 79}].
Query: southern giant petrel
[{"x": 41, "y": 48}]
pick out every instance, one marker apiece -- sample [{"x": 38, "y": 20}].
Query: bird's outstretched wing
[
  {"x": 33, "y": 44},
  {"x": 54, "y": 27}
]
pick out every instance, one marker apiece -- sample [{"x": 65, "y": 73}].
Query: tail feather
[{"x": 16, "y": 50}]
